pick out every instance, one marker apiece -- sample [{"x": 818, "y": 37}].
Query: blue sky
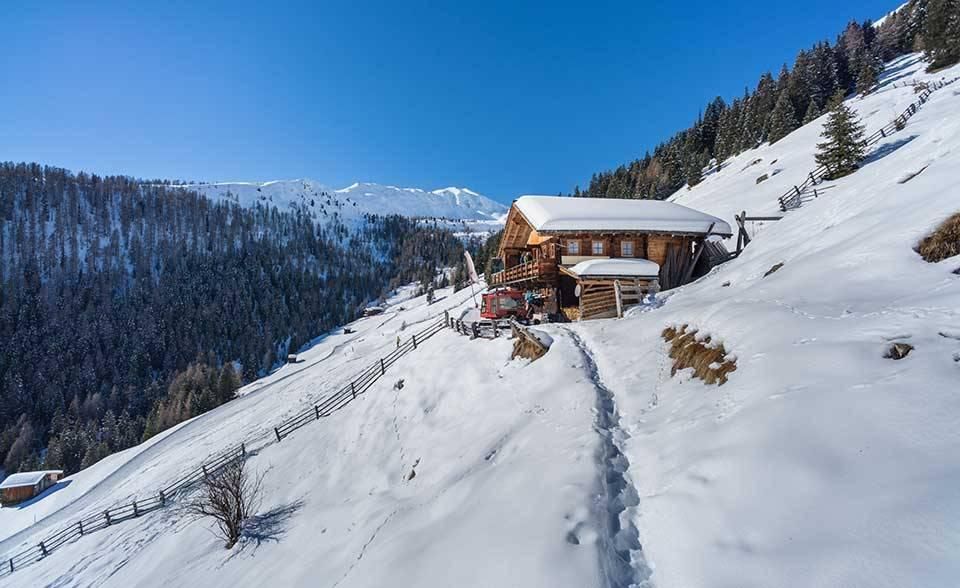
[{"x": 502, "y": 97}]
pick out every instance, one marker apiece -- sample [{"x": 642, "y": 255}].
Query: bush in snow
[
  {"x": 943, "y": 242},
  {"x": 230, "y": 497},
  {"x": 710, "y": 362}
]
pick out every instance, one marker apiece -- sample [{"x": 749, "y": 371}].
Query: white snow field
[{"x": 819, "y": 463}]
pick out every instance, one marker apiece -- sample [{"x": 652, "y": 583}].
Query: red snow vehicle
[{"x": 502, "y": 303}]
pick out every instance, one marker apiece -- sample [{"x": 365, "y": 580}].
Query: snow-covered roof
[
  {"x": 563, "y": 214},
  {"x": 26, "y": 478},
  {"x": 634, "y": 268}
]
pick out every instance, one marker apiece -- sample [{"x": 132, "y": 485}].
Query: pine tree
[
  {"x": 844, "y": 148},
  {"x": 867, "y": 77},
  {"x": 812, "y": 114},
  {"x": 941, "y": 33},
  {"x": 783, "y": 119}
]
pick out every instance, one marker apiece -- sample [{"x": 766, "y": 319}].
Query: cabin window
[
  {"x": 573, "y": 247},
  {"x": 626, "y": 248},
  {"x": 598, "y": 247}
]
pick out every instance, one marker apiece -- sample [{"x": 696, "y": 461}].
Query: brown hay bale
[
  {"x": 943, "y": 242},
  {"x": 709, "y": 361}
]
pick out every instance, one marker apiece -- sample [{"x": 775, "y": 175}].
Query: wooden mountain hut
[
  {"x": 26, "y": 485},
  {"x": 579, "y": 253}
]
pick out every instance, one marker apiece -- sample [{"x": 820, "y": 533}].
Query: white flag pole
[{"x": 474, "y": 278}]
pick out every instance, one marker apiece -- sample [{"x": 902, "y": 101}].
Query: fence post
[
  {"x": 106, "y": 515},
  {"x": 43, "y": 549},
  {"x": 316, "y": 409},
  {"x": 353, "y": 390},
  {"x": 136, "y": 511},
  {"x": 204, "y": 468},
  {"x": 474, "y": 330},
  {"x": 797, "y": 189},
  {"x": 277, "y": 431},
  {"x": 414, "y": 338},
  {"x": 446, "y": 318},
  {"x": 80, "y": 524},
  {"x": 11, "y": 565},
  {"x": 882, "y": 133},
  {"x": 383, "y": 368},
  {"x": 163, "y": 499},
  {"x": 815, "y": 195},
  {"x": 243, "y": 449}
]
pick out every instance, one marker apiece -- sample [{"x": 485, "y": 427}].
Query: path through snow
[{"x": 622, "y": 561}]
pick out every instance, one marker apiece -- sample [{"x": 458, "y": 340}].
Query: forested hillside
[
  {"x": 779, "y": 105},
  {"x": 123, "y": 305}
]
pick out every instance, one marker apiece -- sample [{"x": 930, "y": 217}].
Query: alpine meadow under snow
[{"x": 820, "y": 462}]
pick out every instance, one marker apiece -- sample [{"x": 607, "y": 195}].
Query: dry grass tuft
[
  {"x": 943, "y": 242},
  {"x": 708, "y": 360},
  {"x": 774, "y": 268},
  {"x": 898, "y": 350}
]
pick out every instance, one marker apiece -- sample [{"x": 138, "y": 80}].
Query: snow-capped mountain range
[{"x": 354, "y": 201}]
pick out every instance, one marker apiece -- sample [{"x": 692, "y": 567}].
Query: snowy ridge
[{"x": 349, "y": 205}]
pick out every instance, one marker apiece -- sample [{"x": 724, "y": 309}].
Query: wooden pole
[
  {"x": 43, "y": 549},
  {"x": 136, "y": 511},
  {"x": 414, "y": 338},
  {"x": 106, "y": 515},
  {"x": 316, "y": 409},
  {"x": 353, "y": 390},
  {"x": 277, "y": 431},
  {"x": 383, "y": 368},
  {"x": 80, "y": 525}
]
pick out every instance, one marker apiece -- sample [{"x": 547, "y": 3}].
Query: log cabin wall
[
  {"x": 17, "y": 494},
  {"x": 657, "y": 247},
  {"x": 652, "y": 247}
]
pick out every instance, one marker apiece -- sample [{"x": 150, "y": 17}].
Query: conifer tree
[
  {"x": 813, "y": 113},
  {"x": 941, "y": 33},
  {"x": 867, "y": 77},
  {"x": 783, "y": 120},
  {"x": 844, "y": 148}
]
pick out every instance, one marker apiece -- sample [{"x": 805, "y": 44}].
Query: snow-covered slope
[
  {"x": 351, "y": 203},
  {"x": 503, "y": 491},
  {"x": 819, "y": 463}
]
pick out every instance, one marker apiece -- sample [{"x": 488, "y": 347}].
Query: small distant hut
[
  {"x": 578, "y": 254},
  {"x": 26, "y": 485},
  {"x": 372, "y": 310}
]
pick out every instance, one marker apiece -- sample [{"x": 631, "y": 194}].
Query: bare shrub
[
  {"x": 709, "y": 361},
  {"x": 230, "y": 496},
  {"x": 943, "y": 242}
]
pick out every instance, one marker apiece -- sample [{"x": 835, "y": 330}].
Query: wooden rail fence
[
  {"x": 136, "y": 508},
  {"x": 118, "y": 514},
  {"x": 796, "y": 196}
]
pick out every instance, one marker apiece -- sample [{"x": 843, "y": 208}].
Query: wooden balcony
[{"x": 544, "y": 270}]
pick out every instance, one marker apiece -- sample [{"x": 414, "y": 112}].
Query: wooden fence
[
  {"x": 356, "y": 386},
  {"x": 796, "y": 196},
  {"x": 137, "y": 508},
  {"x": 124, "y": 512},
  {"x": 484, "y": 329}
]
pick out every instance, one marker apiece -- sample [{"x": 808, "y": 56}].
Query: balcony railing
[{"x": 539, "y": 270}]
